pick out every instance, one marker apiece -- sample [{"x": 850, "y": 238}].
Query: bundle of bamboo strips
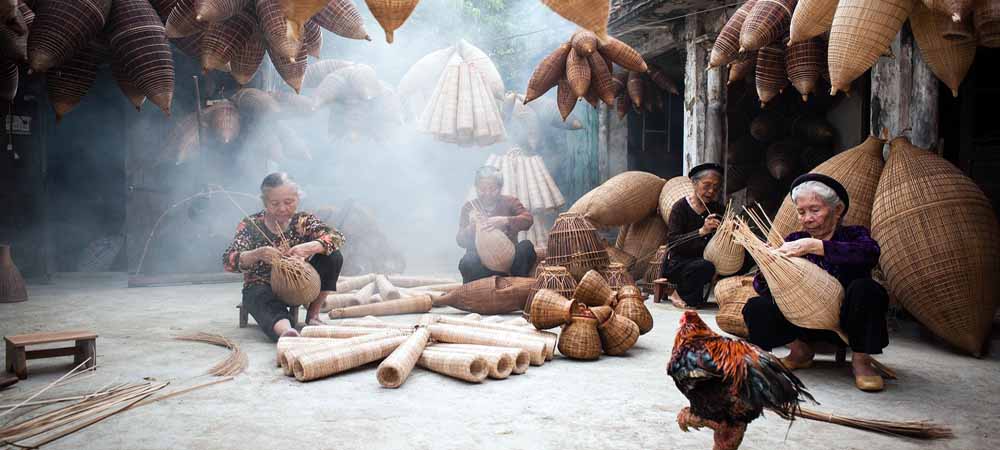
[{"x": 233, "y": 365}]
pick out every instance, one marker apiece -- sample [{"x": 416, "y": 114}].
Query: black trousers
[
  {"x": 690, "y": 275},
  {"x": 862, "y": 318},
  {"x": 267, "y": 309},
  {"x": 472, "y": 267}
]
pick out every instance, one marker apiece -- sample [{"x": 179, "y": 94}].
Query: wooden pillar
[
  {"x": 904, "y": 94},
  {"x": 603, "y": 149},
  {"x": 716, "y": 126},
  {"x": 704, "y": 100}
]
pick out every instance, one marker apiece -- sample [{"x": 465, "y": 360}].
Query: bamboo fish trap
[
  {"x": 987, "y": 22},
  {"x": 806, "y": 294},
  {"x": 313, "y": 366},
  {"x": 617, "y": 276},
  {"x": 461, "y": 110},
  {"x": 394, "y": 370},
  {"x": 536, "y": 347},
  {"x": 580, "y": 339},
  {"x": 732, "y": 294},
  {"x": 641, "y": 240},
  {"x": 765, "y": 23},
  {"x": 727, "y": 45},
  {"x": 673, "y": 190},
  {"x": 491, "y": 295},
  {"x": 618, "y": 334},
  {"x": 139, "y": 42},
  {"x": 456, "y": 364},
  {"x": 519, "y": 358},
  {"x": 549, "y": 338},
  {"x": 624, "y": 199},
  {"x": 804, "y": 61},
  {"x": 575, "y": 245},
  {"x": 220, "y": 40},
  {"x": 391, "y": 14},
  {"x": 862, "y": 31},
  {"x": 554, "y": 278},
  {"x": 341, "y": 17},
  {"x": 499, "y": 364},
  {"x": 630, "y": 305},
  {"x": 495, "y": 249},
  {"x": 61, "y": 28},
  {"x": 294, "y": 281},
  {"x": 722, "y": 251},
  {"x": 67, "y": 84},
  {"x": 246, "y": 59},
  {"x": 594, "y": 290},
  {"x": 811, "y": 18},
  {"x": 290, "y": 352},
  {"x": 549, "y": 309},
  {"x": 409, "y": 305},
  {"x": 547, "y": 73},
  {"x": 950, "y": 60},
  {"x": 771, "y": 76}
]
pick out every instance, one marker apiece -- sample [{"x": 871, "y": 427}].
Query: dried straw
[
  {"x": 911, "y": 429},
  {"x": 233, "y": 365}
]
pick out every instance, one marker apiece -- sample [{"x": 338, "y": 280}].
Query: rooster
[{"x": 728, "y": 382}]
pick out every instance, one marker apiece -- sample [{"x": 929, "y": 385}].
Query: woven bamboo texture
[
  {"x": 575, "y": 245},
  {"x": 410, "y": 305},
  {"x": 619, "y": 256},
  {"x": 405, "y": 281},
  {"x": 742, "y": 66},
  {"x": 393, "y": 371},
  {"x": 804, "y": 61},
  {"x": 342, "y": 17},
  {"x": 633, "y": 308},
  {"x": 642, "y": 240},
  {"x": 338, "y": 332},
  {"x": 461, "y": 365},
  {"x": 731, "y": 294},
  {"x": 547, "y": 73},
  {"x": 782, "y": 159},
  {"x": 391, "y": 14},
  {"x": 139, "y": 42},
  {"x": 549, "y": 337},
  {"x": 584, "y": 42},
  {"x": 727, "y": 45},
  {"x": 600, "y": 78},
  {"x": 292, "y": 72},
  {"x": 67, "y": 84},
  {"x": 217, "y": 10},
  {"x": 294, "y": 281},
  {"x": 554, "y": 278},
  {"x": 289, "y": 342},
  {"x": 565, "y": 98},
  {"x": 592, "y": 16},
  {"x": 858, "y": 169},
  {"x": 517, "y": 359},
  {"x": 297, "y": 13},
  {"x": 314, "y": 366},
  {"x": 955, "y": 10},
  {"x": 765, "y": 24},
  {"x": 635, "y": 87},
  {"x": 806, "y": 294},
  {"x": 622, "y": 54},
  {"x": 12, "y": 286},
  {"x": 577, "y": 73},
  {"x": 655, "y": 265},
  {"x": 549, "y": 309},
  {"x": 617, "y": 275},
  {"x": 289, "y": 353},
  {"x": 938, "y": 234},
  {"x": 499, "y": 365},
  {"x": 181, "y": 21},
  {"x": 862, "y": 31},
  {"x": 810, "y": 19},
  {"x": 491, "y": 295},
  {"x": 618, "y": 334},
  {"x": 13, "y": 47},
  {"x": 771, "y": 76},
  {"x": 987, "y": 21},
  {"x": 722, "y": 251},
  {"x": 495, "y": 249},
  {"x": 454, "y": 334},
  {"x": 593, "y": 290},
  {"x": 949, "y": 60},
  {"x": 580, "y": 340},
  {"x": 443, "y": 117},
  {"x": 673, "y": 190},
  {"x": 63, "y": 27},
  {"x": 624, "y": 199},
  {"x": 223, "y": 118},
  {"x": 386, "y": 288},
  {"x": 602, "y": 313},
  {"x": 163, "y": 7},
  {"x": 272, "y": 24},
  {"x": 221, "y": 39},
  {"x": 312, "y": 39}
]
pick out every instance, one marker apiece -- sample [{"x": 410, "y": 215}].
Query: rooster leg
[
  {"x": 728, "y": 437},
  {"x": 687, "y": 419}
]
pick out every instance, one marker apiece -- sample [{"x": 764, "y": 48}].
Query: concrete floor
[{"x": 625, "y": 402}]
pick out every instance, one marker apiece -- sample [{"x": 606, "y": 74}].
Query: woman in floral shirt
[{"x": 276, "y": 231}]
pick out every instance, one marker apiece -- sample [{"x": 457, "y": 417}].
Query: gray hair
[
  {"x": 704, "y": 173},
  {"x": 277, "y": 179},
  {"x": 828, "y": 195},
  {"x": 489, "y": 172}
]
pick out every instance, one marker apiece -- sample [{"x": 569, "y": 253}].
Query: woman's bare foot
[
  {"x": 675, "y": 299},
  {"x": 291, "y": 332},
  {"x": 801, "y": 353},
  {"x": 861, "y": 364},
  {"x": 312, "y": 312},
  {"x": 283, "y": 327}
]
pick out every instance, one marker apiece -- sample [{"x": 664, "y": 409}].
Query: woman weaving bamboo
[
  {"x": 849, "y": 254},
  {"x": 492, "y": 210},
  {"x": 260, "y": 239}
]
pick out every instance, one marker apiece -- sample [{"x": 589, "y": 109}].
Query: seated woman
[
  {"x": 302, "y": 234},
  {"x": 692, "y": 223},
  {"x": 846, "y": 252},
  {"x": 497, "y": 211}
]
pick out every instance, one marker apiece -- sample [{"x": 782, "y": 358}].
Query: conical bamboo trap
[
  {"x": 491, "y": 295},
  {"x": 862, "y": 31},
  {"x": 804, "y": 62},
  {"x": 771, "y": 76},
  {"x": 765, "y": 24},
  {"x": 727, "y": 45},
  {"x": 722, "y": 251},
  {"x": 67, "y": 84},
  {"x": 221, "y": 40},
  {"x": 594, "y": 290},
  {"x": 342, "y": 17},
  {"x": 575, "y": 245},
  {"x": 950, "y": 60},
  {"x": 732, "y": 294},
  {"x": 810, "y": 19},
  {"x": 138, "y": 42},
  {"x": 61, "y": 28},
  {"x": 940, "y": 255}
]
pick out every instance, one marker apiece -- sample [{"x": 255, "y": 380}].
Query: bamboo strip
[
  {"x": 392, "y": 372},
  {"x": 339, "y": 332},
  {"x": 464, "y": 116},
  {"x": 553, "y": 187},
  {"x": 551, "y": 339}
]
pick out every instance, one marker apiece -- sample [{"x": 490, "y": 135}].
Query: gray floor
[{"x": 627, "y": 402}]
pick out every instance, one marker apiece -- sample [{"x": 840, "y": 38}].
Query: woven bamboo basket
[
  {"x": 621, "y": 257},
  {"x": 393, "y": 371},
  {"x": 584, "y": 42},
  {"x": 12, "y": 286},
  {"x": 593, "y": 290},
  {"x": 312, "y": 39},
  {"x": 342, "y": 17},
  {"x": 290, "y": 352},
  {"x": 580, "y": 340},
  {"x": 314, "y": 366},
  {"x": 956, "y": 10},
  {"x": 771, "y": 76},
  {"x": 727, "y": 45},
  {"x": 217, "y": 10},
  {"x": 417, "y": 304},
  {"x": 675, "y": 189},
  {"x": 549, "y": 309},
  {"x": 957, "y": 31},
  {"x": 224, "y": 119},
  {"x": 765, "y": 24},
  {"x": 950, "y": 60},
  {"x": 495, "y": 249},
  {"x": 622, "y": 54},
  {"x": 221, "y": 39},
  {"x": 810, "y": 19},
  {"x": 951, "y": 283},
  {"x": 633, "y": 308},
  {"x": 67, "y": 84},
  {"x": 575, "y": 245},
  {"x": 601, "y": 78},
  {"x": 618, "y": 334},
  {"x": 139, "y": 43},
  {"x": 536, "y": 348},
  {"x": 806, "y": 294},
  {"x": 635, "y": 87},
  {"x": 732, "y": 294},
  {"x": 554, "y": 278},
  {"x": 63, "y": 27},
  {"x": 602, "y": 313},
  {"x": 549, "y": 338},
  {"x": 987, "y": 21},
  {"x": 577, "y": 73},
  {"x": 294, "y": 281},
  {"x": 630, "y": 292},
  {"x": 862, "y": 31},
  {"x": 803, "y": 62},
  {"x": 463, "y": 366},
  {"x": 292, "y": 72},
  {"x": 517, "y": 359},
  {"x": 742, "y": 67},
  {"x": 272, "y": 24},
  {"x": 624, "y": 199},
  {"x": 617, "y": 276},
  {"x": 643, "y": 239},
  {"x": 655, "y": 266},
  {"x": 492, "y": 295},
  {"x": 858, "y": 169},
  {"x": 721, "y": 251},
  {"x": 782, "y": 159},
  {"x": 588, "y": 15},
  {"x": 181, "y": 21},
  {"x": 391, "y": 14},
  {"x": 565, "y": 98}
]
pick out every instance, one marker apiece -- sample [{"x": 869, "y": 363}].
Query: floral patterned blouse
[{"x": 303, "y": 227}]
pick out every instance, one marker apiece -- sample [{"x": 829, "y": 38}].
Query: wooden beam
[
  {"x": 904, "y": 94},
  {"x": 695, "y": 93}
]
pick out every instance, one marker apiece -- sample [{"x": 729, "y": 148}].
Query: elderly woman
[
  {"x": 279, "y": 230},
  {"x": 496, "y": 211},
  {"x": 692, "y": 223},
  {"x": 846, "y": 252}
]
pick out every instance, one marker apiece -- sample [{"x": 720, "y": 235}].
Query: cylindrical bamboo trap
[
  {"x": 447, "y": 287},
  {"x": 550, "y": 338},
  {"x": 727, "y": 45},
  {"x": 313, "y": 366},
  {"x": 456, "y": 334},
  {"x": 339, "y": 332},
  {"x": 862, "y": 31},
  {"x": 289, "y": 342},
  {"x": 418, "y": 304},
  {"x": 618, "y": 334},
  {"x": 492, "y": 295},
  {"x": 294, "y": 281},
  {"x": 593, "y": 290},
  {"x": 722, "y": 251},
  {"x": 464, "y": 366},
  {"x": 732, "y": 294},
  {"x": 811, "y": 18},
  {"x": 396, "y": 368},
  {"x": 373, "y": 322},
  {"x": 500, "y": 365},
  {"x": 950, "y": 60},
  {"x": 348, "y": 284},
  {"x": 575, "y": 245},
  {"x": 415, "y": 281},
  {"x": 520, "y": 360},
  {"x": 287, "y": 358},
  {"x": 333, "y": 301},
  {"x": 386, "y": 289},
  {"x": 655, "y": 266}
]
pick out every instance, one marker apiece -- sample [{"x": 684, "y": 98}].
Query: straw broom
[{"x": 911, "y": 429}]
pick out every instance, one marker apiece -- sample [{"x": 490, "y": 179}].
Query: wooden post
[
  {"x": 904, "y": 94},
  {"x": 695, "y": 95},
  {"x": 716, "y": 130}
]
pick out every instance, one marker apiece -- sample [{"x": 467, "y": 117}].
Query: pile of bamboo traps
[
  {"x": 368, "y": 290},
  {"x": 417, "y": 89},
  {"x": 467, "y": 348},
  {"x": 641, "y": 92},
  {"x": 233, "y": 365},
  {"x": 461, "y": 109}
]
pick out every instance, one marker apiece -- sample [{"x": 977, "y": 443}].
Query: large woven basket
[
  {"x": 655, "y": 266},
  {"x": 858, "y": 169},
  {"x": 804, "y": 61},
  {"x": 617, "y": 276},
  {"x": 495, "y": 249},
  {"x": 811, "y": 18},
  {"x": 766, "y": 23},
  {"x": 580, "y": 340},
  {"x": 492, "y": 295},
  {"x": 587, "y": 14},
  {"x": 625, "y": 198},
  {"x": 950, "y": 60},
  {"x": 673, "y": 190},
  {"x": 618, "y": 334},
  {"x": 575, "y": 245},
  {"x": 732, "y": 294},
  {"x": 727, "y": 45},
  {"x": 549, "y": 309},
  {"x": 294, "y": 281},
  {"x": 987, "y": 21},
  {"x": 721, "y": 251},
  {"x": 619, "y": 256},
  {"x": 771, "y": 75},
  {"x": 633, "y": 308},
  {"x": 862, "y": 31},
  {"x": 593, "y": 290},
  {"x": 940, "y": 254},
  {"x": 641, "y": 240},
  {"x": 554, "y": 278}
]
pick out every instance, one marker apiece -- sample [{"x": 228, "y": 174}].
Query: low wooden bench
[{"x": 85, "y": 346}]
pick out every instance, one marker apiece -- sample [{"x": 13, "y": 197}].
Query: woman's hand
[
  {"x": 802, "y": 247},
  {"x": 711, "y": 224},
  {"x": 496, "y": 223},
  {"x": 266, "y": 254},
  {"x": 305, "y": 250}
]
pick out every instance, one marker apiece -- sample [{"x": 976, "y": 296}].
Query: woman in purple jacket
[{"x": 849, "y": 254}]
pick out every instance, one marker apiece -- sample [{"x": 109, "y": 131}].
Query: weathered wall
[{"x": 904, "y": 94}]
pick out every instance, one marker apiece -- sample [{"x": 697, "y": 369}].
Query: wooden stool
[
  {"x": 245, "y": 315},
  {"x": 662, "y": 288},
  {"x": 17, "y": 357}
]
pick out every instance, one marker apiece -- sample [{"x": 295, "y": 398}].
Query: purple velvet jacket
[{"x": 850, "y": 254}]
